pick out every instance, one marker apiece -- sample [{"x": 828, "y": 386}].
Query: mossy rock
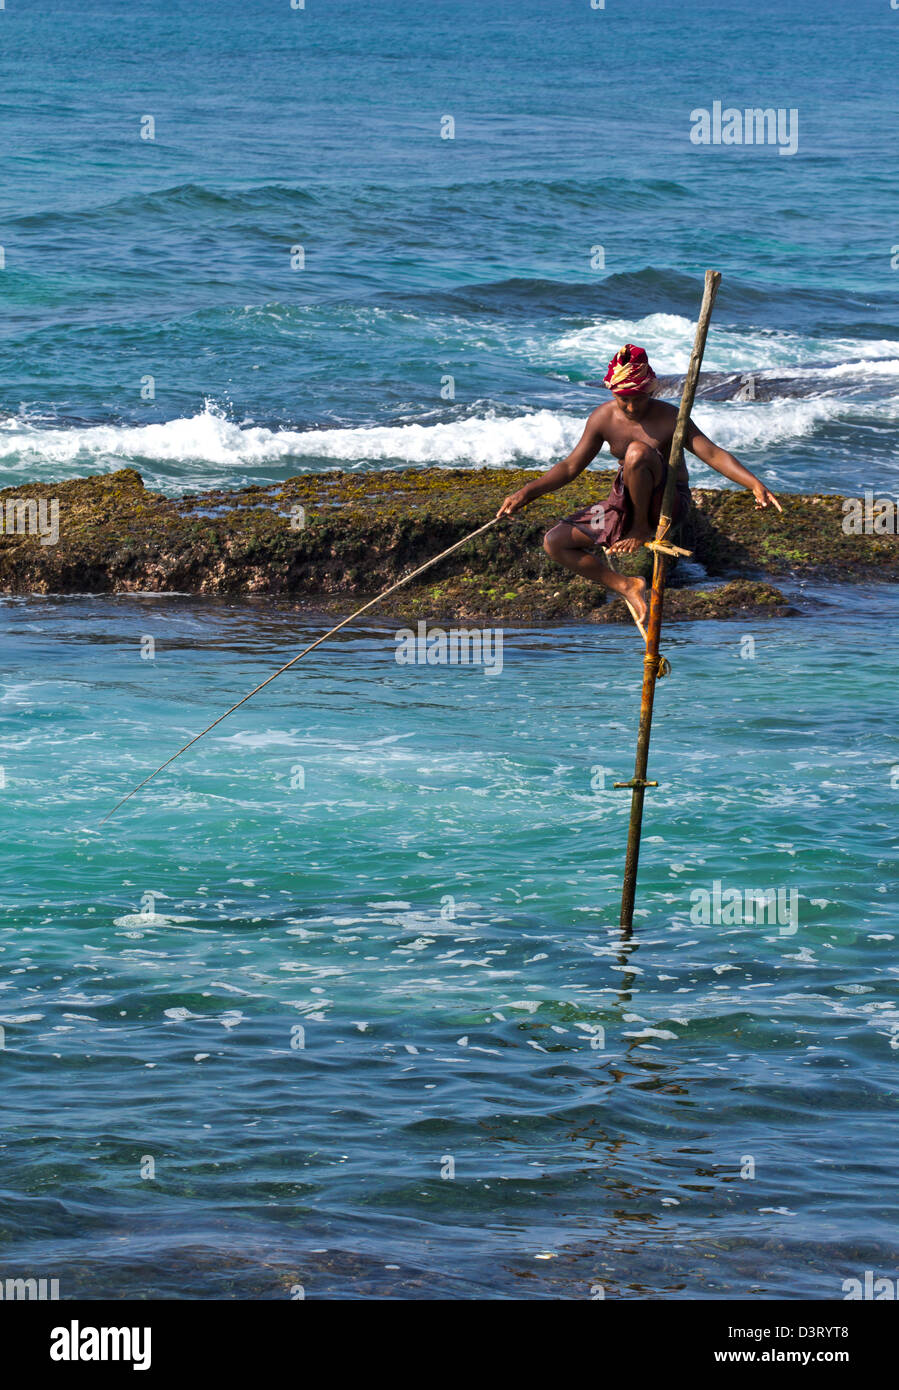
[{"x": 363, "y": 531}]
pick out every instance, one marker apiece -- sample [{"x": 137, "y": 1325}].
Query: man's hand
[
  {"x": 514, "y": 503},
  {"x": 729, "y": 467},
  {"x": 764, "y": 498}
]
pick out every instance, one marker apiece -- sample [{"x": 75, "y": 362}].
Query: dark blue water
[
  {"x": 340, "y": 1001},
  {"x": 426, "y": 258}
]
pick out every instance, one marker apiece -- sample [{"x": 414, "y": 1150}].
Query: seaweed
[{"x": 339, "y": 538}]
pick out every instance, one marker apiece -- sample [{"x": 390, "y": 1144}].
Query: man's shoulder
[
  {"x": 664, "y": 413},
  {"x": 598, "y": 417}
]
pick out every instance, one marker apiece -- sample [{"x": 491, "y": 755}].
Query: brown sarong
[{"x": 606, "y": 522}]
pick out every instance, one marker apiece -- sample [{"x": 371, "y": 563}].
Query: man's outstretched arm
[
  {"x": 584, "y": 452},
  {"x": 725, "y": 463}
]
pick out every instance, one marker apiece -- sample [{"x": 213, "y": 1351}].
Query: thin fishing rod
[{"x": 305, "y": 652}]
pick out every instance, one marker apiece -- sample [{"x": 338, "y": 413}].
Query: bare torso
[{"x": 655, "y": 427}]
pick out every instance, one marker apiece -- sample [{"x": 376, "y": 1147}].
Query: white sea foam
[
  {"x": 208, "y": 449},
  {"x": 866, "y": 366},
  {"x": 149, "y": 919},
  {"x": 211, "y": 451},
  {"x": 668, "y": 339},
  {"x": 487, "y": 440},
  {"x": 760, "y": 424}
]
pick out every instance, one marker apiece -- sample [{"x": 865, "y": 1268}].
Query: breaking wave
[{"x": 210, "y": 450}]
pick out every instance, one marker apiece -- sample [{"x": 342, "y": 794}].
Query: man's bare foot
[
  {"x": 634, "y": 592},
  {"x": 636, "y": 537}
]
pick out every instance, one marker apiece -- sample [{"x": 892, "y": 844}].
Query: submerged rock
[{"x": 337, "y": 538}]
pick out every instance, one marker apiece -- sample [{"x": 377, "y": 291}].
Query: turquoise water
[
  {"x": 434, "y": 901},
  {"x": 493, "y": 1094}
]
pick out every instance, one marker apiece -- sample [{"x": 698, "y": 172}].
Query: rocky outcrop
[{"x": 335, "y": 539}]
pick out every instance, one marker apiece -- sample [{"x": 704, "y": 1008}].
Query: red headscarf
[{"x": 629, "y": 371}]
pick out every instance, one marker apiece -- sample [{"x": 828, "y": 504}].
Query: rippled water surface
[
  {"x": 418, "y": 868},
  {"x": 339, "y": 1001},
  {"x": 153, "y": 315}
]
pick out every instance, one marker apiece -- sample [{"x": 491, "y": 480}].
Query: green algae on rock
[{"x": 336, "y": 537}]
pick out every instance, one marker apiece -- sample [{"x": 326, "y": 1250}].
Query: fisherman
[{"x": 638, "y": 430}]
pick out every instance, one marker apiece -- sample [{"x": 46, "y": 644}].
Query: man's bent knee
[
  {"x": 562, "y": 537},
  {"x": 556, "y": 539},
  {"x": 638, "y": 456}
]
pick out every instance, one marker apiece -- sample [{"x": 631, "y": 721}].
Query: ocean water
[
  {"x": 419, "y": 867},
  {"x": 426, "y": 258},
  {"x": 338, "y": 1004}
]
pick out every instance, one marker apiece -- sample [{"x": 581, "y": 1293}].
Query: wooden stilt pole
[{"x": 638, "y": 783}]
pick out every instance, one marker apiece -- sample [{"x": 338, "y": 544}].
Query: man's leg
[
  {"x": 571, "y": 548},
  {"x": 643, "y": 469}
]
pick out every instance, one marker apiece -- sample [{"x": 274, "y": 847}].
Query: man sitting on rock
[{"x": 638, "y": 429}]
